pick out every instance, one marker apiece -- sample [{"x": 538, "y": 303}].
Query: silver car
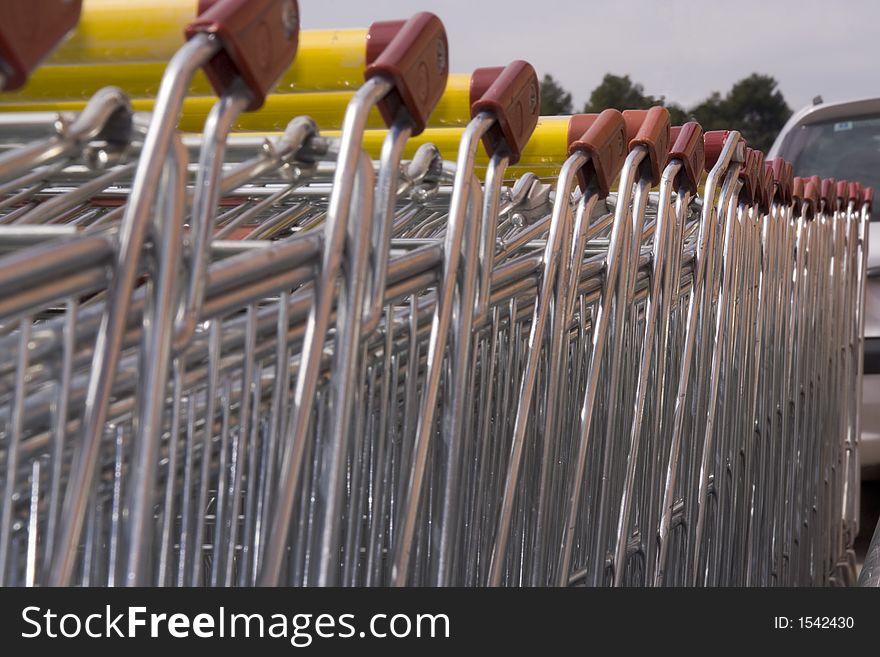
[{"x": 842, "y": 141}]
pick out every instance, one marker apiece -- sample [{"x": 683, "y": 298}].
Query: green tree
[
  {"x": 554, "y": 98},
  {"x": 621, "y": 93},
  {"x": 711, "y": 114},
  {"x": 677, "y": 113},
  {"x": 756, "y": 107}
]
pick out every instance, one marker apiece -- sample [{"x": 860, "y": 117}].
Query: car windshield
[{"x": 845, "y": 149}]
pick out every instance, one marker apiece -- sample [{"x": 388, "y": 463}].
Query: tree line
[{"x": 754, "y": 105}]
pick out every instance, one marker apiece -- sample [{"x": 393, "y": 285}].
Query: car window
[{"x": 845, "y": 149}]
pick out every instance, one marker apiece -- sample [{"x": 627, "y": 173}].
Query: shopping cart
[{"x": 489, "y": 348}]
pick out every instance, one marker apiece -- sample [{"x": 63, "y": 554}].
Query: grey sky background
[{"x": 682, "y": 50}]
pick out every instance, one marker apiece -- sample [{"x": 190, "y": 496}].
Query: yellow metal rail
[
  {"x": 327, "y": 60},
  {"x": 127, "y": 43},
  {"x": 327, "y": 108},
  {"x": 543, "y": 155}
]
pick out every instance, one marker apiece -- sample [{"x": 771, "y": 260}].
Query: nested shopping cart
[{"x": 430, "y": 338}]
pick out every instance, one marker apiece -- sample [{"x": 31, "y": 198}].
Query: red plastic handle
[
  {"x": 756, "y": 178},
  {"x": 768, "y": 188},
  {"x": 800, "y": 193},
  {"x": 854, "y": 192},
  {"x": 650, "y": 128},
  {"x": 812, "y": 187},
  {"x": 816, "y": 183},
  {"x": 714, "y": 141},
  {"x": 868, "y": 196},
  {"x": 751, "y": 175},
  {"x": 259, "y": 39},
  {"x": 689, "y": 148},
  {"x": 513, "y": 95},
  {"x": 828, "y": 191},
  {"x": 783, "y": 175},
  {"x": 604, "y": 140},
  {"x": 414, "y": 55},
  {"x": 771, "y": 183},
  {"x": 578, "y": 124},
  {"x": 30, "y": 30},
  {"x": 797, "y": 189},
  {"x": 842, "y": 191},
  {"x": 380, "y": 34},
  {"x": 764, "y": 191}
]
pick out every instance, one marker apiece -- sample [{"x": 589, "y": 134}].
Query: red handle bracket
[
  {"x": 828, "y": 191},
  {"x": 689, "y": 148},
  {"x": 259, "y": 40},
  {"x": 854, "y": 192},
  {"x": 604, "y": 140},
  {"x": 783, "y": 175},
  {"x": 812, "y": 187},
  {"x": 650, "y": 128},
  {"x": 797, "y": 189},
  {"x": 842, "y": 191},
  {"x": 714, "y": 141},
  {"x": 414, "y": 55},
  {"x": 513, "y": 95},
  {"x": 751, "y": 175},
  {"x": 768, "y": 187},
  {"x": 30, "y": 30},
  {"x": 813, "y": 191}
]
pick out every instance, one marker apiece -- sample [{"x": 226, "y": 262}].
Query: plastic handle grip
[
  {"x": 842, "y": 191},
  {"x": 828, "y": 190},
  {"x": 783, "y": 175},
  {"x": 761, "y": 192},
  {"x": 604, "y": 141},
  {"x": 758, "y": 165},
  {"x": 797, "y": 189},
  {"x": 748, "y": 174},
  {"x": 30, "y": 30},
  {"x": 480, "y": 82},
  {"x": 259, "y": 40},
  {"x": 512, "y": 94},
  {"x": 688, "y": 147},
  {"x": 380, "y": 34},
  {"x": 815, "y": 184},
  {"x": 799, "y": 195},
  {"x": 788, "y": 175},
  {"x": 752, "y": 176},
  {"x": 714, "y": 141},
  {"x": 812, "y": 187},
  {"x": 868, "y": 196},
  {"x": 854, "y": 192},
  {"x": 772, "y": 182},
  {"x": 578, "y": 124},
  {"x": 414, "y": 55},
  {"x": 650, "y": 128},
  {"x": 768, "y": 188}
]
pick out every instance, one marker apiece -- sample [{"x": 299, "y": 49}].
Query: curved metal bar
[
  {"x": 335, "y": 230},
  {"x": 174, "y": 87}
]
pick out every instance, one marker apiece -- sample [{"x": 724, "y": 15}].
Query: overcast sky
[{"x": 678, "y": 49}]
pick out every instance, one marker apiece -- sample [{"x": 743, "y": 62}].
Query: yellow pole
[
  {"x": 327, "y": 60},
  {"x": 127, "y": 31},
  {"x": 543, "y": 155},
  {"x": 327, "y": 108},
  {"x": 127, "y": 43}
]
